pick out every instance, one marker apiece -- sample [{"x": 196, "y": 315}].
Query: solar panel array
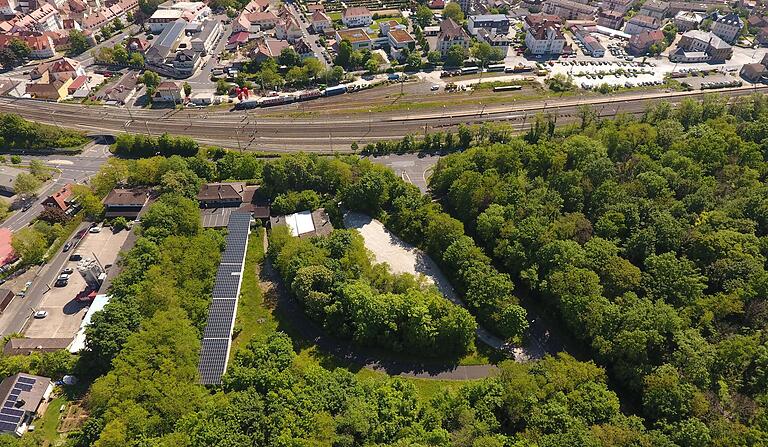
[
  {"x": 217, "y": 336},
  {"x": 10, "y": 416}
]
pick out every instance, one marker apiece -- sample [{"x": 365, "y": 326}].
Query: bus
[
  {"x": 496, "y": 67},
  {"x": 470, "y": 70},
  {"x": 506, "y": 88}
]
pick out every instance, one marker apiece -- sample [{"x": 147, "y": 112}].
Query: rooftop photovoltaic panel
[
  {"x": 27, "y": 380},
  {"x": 220, "y": 318},
  {"x": 213, "y": 360},
  {"x": 227, "y": 281},
  {"x": 221, "y": 314}
]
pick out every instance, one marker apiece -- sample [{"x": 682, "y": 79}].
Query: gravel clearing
[{"x": 400, "y": 255}]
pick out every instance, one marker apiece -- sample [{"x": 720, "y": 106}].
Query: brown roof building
[
  {"x": 61, "y": 199},
  {"x": 125, "y": 202},
  {"x": 22, "y": 394},
  {"x": 218, "y": 195},
  {"x": 26, "y": 346}
]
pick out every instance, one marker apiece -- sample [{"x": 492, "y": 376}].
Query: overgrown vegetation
[
  {"x": 18, "y": 133},
  {"x": 649, "y": 238}
]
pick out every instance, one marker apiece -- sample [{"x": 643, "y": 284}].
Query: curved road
[{"x": 253, "y": 130}]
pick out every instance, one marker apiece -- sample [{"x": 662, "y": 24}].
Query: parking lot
[
  {"x": 64, "y": 312},
  {"x": 413, "y": 168}
]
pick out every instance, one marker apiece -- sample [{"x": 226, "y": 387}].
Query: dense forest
[{"x": 648, "y": 238}]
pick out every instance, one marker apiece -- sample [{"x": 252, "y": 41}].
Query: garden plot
[{"x": 401, "y": 256}]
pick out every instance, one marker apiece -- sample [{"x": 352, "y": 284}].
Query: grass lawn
[
  {"x": 47, "y": 425},
  {"x": 253, "y": 319},
  {"x": 257, "y": 318}
]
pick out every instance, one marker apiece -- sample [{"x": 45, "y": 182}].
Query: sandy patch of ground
[{"x": 401, "y": 256}]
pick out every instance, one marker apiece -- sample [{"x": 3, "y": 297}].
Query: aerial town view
[{"x": 342, "y": 223}]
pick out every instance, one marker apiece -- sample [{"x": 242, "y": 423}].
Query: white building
[
  {"x": 544, "y": 40},
  {"x": 727, "y": 27},
  {"x": 321, "y": 22},
  {"x": 654, "y": 8},
  {"x": 450, "y": 34},
  {"x": 688, "y": 20},
  {"x": 204, "y": 41},
  {"x": 638, "y": 24},
  {"x": 357, "y": 16}
]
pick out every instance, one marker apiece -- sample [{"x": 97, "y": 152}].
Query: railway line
[{"x": 256, "y": 130}]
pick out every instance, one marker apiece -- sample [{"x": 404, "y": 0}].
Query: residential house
[
  {"x": 702, "y": 7},
  {"x": 544, "y": 40},
  {"x": 570, "y": 10},
  {"x": 610, "y": 19},
  {"x": 356, "y": 16},
  {"x": 451, "y": 33},
  {"x": 641, "y": 43},
  {"x": 357, "y": 37},
  {"x": 169, "y": 92},
  {"x": 640, "y": 23},
  {"x": 269, "y": 49},
  {"x": 727, "y": 27},
  {"x": 654, "y": 8},
  {"x": 137, "y": 44},
  {"x": 753, "y": 73},
  {"x": 534, "y": 20},
  {"x": 436, "y": 4},
  {"x": 288, "y": 28},
  {"x": 49, "y": 88},
  {"x": 126, "y": 203},
  {"x": 185, "y": 62},
  {"x": 60, "y": 69},
  {"x": 498, "y": 23},
  {"x": 22, "y": 395},
  {"x": 61, "y": 199},
  {"x": 41, "y": 45},
  {"x": 237, "y": 40},
  {"x": 221, "y": 195},
  {"x": 493, "y": 39},
  {"x": 695, "y": 41},
  {"x": 620, "y": 6},
  {"x": 688, "y": 20},
  {"x": 80, "y": 82},
  {"x": 303, "y": 49},
  {"x": 320, "y": 22},
  {"x": 44, "y": 18}
]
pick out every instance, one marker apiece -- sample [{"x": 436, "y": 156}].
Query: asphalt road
[
  {"x": 20, "y": 310},
  {"x": 73, "y": 169},
  {"x": 252, "y": 130}
]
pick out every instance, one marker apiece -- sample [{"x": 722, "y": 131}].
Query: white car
[
  {"x": 435, "y": 88},
  {"x": 95, "y": 230},
  {"x": 40, "y": 314}
]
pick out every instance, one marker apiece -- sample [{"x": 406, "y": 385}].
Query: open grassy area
[
  {"x": 254, "y": 320},
  {"x": 46, "y": 426}
]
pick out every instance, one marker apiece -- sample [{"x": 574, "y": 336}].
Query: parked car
[
  {"x": 75, "y": 257},
  {"x": 40, "y": 314},
  {"x": 95, "y": 230},
  {"x": 61, "y": 282},
  {"x": 67, "y": 271}
]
